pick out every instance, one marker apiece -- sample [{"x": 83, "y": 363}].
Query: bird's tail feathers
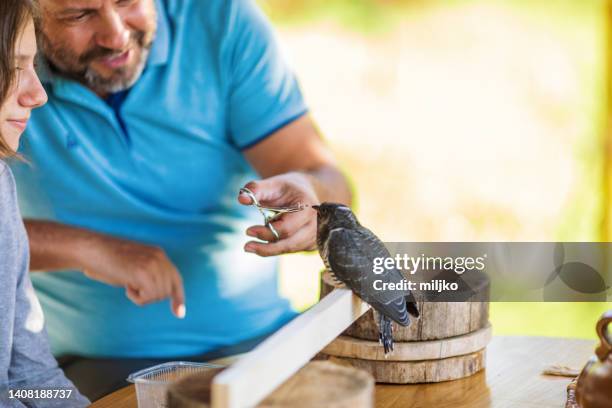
[
  {"x": 412, "y": 306},
  {"x": 386, "y": 333}
]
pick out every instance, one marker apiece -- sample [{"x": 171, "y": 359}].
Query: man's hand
[
  {"x": 144, "y": 271},
  {"x": 297, "y": 230},
  {"x": 297, "y": 168}
]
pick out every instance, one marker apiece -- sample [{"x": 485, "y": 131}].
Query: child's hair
[{"x": 14, "y": 15}]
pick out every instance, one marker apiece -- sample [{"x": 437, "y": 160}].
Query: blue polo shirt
[{"x": 164, "y": 168}]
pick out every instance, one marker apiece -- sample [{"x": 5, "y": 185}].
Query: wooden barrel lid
[
  {"x": 413, "y": 372},
  {"x": 438, "y": 320},
  {"x": 318, "y": 384},
  {"x": 345, "y": 346}
]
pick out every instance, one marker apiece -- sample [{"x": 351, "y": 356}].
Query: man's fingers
[
  {"x": 170, "y": 285},
  {"x": 135, "y": 296},
  {"x": 285, "y": 227},
  {"x": 265, "y": 233},
  {"x": 146, "y": 290},
  {"x": 166, "y": 287},
  {"x": 266, "y": 191},
  {"x": 178, "y": 297},
  {"x": 302, "y": 240},
  {"x": 157, "y": 281},
  {"x": 245, "y": 199}
]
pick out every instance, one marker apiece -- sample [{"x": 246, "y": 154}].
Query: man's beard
[{"x": 62, "y": 61}]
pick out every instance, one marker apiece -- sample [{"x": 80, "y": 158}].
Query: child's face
[{"x": 26, "y": 92}]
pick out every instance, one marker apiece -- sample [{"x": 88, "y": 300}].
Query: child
[{"x": 29, "y": 375}]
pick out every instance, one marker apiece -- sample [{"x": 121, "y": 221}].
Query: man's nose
[
  {"x": 31, "y": 92},
  {"x": 112, "y": 32}
]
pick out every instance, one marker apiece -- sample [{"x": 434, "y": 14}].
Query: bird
[{"x": 348, "y": 250}]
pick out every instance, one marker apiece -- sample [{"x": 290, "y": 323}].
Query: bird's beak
[{"x": 315, "y": 207}]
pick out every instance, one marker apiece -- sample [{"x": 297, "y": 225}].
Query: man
[{"x": 158, "y": 113}]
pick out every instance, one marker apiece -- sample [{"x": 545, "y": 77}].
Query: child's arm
[
  {"x": 33, "y": 368},
  {"x": 33, "y": 376}
]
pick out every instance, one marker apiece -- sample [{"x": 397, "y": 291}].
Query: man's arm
[
  {"x": 144, "y": 271},
  {"x": 297, "y": 168},
  {"x": 55, "y": 246}
]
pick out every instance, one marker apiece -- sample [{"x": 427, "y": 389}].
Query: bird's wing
[
  {"x": 351, "y": 254},
  {"x": 348, "y": 256}
]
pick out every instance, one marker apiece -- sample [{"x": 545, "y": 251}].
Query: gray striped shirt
[{"x": 26, "y": 362}]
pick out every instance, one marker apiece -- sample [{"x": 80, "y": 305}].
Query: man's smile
[{"x": 117, "y": 60}]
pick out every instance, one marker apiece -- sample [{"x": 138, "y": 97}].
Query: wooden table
[{"x": 512, "y": 379}]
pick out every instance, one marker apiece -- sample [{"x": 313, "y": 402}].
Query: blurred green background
[{"x": 461, "y": 120}]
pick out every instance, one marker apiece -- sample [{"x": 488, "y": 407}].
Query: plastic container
[{"x": 152, "y": 383}]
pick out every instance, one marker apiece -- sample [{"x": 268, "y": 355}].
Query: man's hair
[{"x": 14, "y": 15}]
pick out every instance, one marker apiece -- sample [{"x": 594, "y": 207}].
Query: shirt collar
[
  {"x": 159, "y": 54},
  {"x": 160, "y": 48}
]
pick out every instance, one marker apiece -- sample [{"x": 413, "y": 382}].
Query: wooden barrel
[
  {"x": 318, "y": 384},
  {"x": 413, "y": 372},
  {"x": 446, "y": 342},
  {"x": 351, "y": 347},
  {"x": 439, "y": 320}
]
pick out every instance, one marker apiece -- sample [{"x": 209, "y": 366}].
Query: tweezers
[{"x": 270, "y": 214}]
